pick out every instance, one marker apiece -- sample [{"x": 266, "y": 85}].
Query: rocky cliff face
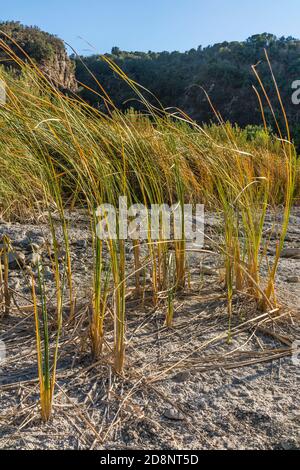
[
  {"x": 45, "y": 49},
  {"x": 61, "y": 70}
]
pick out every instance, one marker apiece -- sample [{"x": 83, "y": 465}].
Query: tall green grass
[{"x": 58, "y": 153}]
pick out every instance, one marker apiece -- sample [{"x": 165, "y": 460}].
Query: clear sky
[{"x": 154, "y": 24}]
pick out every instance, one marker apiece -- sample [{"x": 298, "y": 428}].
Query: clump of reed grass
[
  {"x": 57, "y": 152},
  {"x": 46, "y": 367}
]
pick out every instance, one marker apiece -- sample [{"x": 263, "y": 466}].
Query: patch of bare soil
[{"x": 183, "y": 388}]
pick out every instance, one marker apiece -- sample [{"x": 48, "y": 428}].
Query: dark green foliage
[
  {"x": 176, "y": 79},
  {"x": 39, "y": 45},
  {"x": 223, "y": 70}
]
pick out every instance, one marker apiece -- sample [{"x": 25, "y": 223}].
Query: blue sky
[{"x": 154, "y": 24}]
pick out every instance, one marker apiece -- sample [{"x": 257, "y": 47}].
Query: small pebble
[
  {"x": 292, "y": 253},
  {"x": 34, "y": 258},
  {"x": 181, "y": 377},
  {"x": 173, "y": 414},
  {"x": 293, "y": 279}
]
